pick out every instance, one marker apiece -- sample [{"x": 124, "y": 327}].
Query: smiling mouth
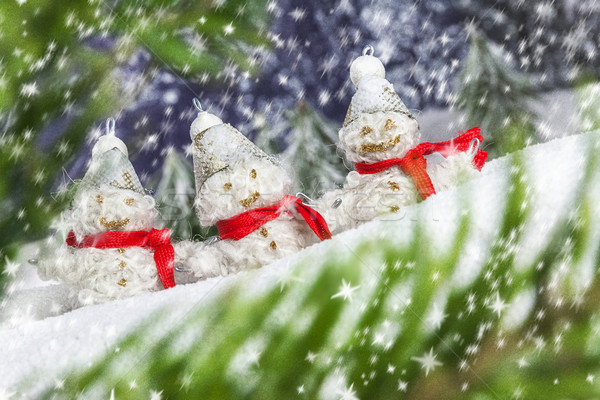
[
  {"x": 114, "y": 224},
  {"x": 247, "y": 202},
  {"x": 379, "y": 147}
]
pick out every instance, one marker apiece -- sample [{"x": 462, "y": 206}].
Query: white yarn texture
[
  {"x": 367, "y": 197},
  {"x": 219, "y": 198},
  {"x": 93, "y": 274},
  {"x": 220, "y": 195},
  {"x": 352, "y": 136}
]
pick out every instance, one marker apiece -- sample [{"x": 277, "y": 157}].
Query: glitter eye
[
  {"x": 129, "y": 202},
  {"x": 389, "y": 125},
  {"x": 99, "y": 199},
  {"x": 394, "y": 186},
  {"x": 253, "y": 174},
  {"x": 227, "y": 186},
  {"x": 366, "y": 130}
]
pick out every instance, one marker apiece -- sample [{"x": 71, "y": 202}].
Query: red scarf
[
  {"x": 157, "y": 240},
  {"x": 415, "y": 164},
  {"x": 243, "y": 224}
]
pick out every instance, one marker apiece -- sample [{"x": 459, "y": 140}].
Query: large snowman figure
[
  {"x": 245, "y": 193},
  {"x": 382, "y": 138},
  {"x": 112, "y": 250}
]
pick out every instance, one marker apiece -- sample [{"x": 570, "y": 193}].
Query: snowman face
[
  {"x": 243, "y": 185},
  {"x": 111, "y": 209},
  {"x": 379, "y": 136}
]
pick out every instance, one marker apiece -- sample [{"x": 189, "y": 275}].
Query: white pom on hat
[
  {"x": 110, "y": 164},
  {"x": 366, "y": 65},
  {"x": 108, "y": 142},
  {"x": 203, "y": 121}
]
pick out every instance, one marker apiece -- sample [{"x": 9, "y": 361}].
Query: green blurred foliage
[
  {"x": 56, "y": 84},
  {"x": 496, "y": 97},
  {"x": 303, "y": 340}
]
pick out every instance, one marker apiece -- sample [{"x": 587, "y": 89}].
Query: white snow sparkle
[
  {"x": 428, "y": 361},
  {"x": 29, "y": 89},
  {"x": 498, "y": 305},
  {"x": 346, "y": 291},
  {"x": 10, "y": 267},
  {"x": 348, "y": 394}
]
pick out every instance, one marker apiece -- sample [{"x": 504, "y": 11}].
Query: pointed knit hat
[
  {"x": 374, "y": 93},
  {"x": 217, "y": 145},
  {"x": 110, "y": 165}
]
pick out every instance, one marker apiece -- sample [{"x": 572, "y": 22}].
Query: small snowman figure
[
  {"x": 382, "y": 138},
  {"x": 244, "y": 192},
  {"x": 112, "y": 250}
]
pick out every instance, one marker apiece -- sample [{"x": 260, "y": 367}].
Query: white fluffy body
[
  {"x": 367, "y": 197},
  {"x": 219, "y": 199},
  {"x": 93, "y": 274}
]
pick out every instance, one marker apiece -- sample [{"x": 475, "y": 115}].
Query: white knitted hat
[
  {"x": 374, "y": 93},
  {"x": 110, "y": 165},
  {"x": 219, "y": 146}
]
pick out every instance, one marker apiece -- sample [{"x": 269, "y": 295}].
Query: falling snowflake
[
  {"x": 348, "y": 393},
  {"x": 310, "y": 357},
  {"x": 346, "y": 291},
  {"x": 10, "y": 267},
  {"x": 402, "y": 385},
  {"x": 29, "y": 89},
  {"x": 297, "y": 14},
  {"x": 436, "y": 317},
  {"x": 155, "y": 395},
  {"x": 428, "y": 361},
  {"x": 229, "y": 29},
  {"x": 498, "y": 305}
]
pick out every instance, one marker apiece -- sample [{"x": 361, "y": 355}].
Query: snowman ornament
[
  {"x": 382, "y": 138},
  {"x": 112, "y": 250},
  {"x": 244, "y": 192}
]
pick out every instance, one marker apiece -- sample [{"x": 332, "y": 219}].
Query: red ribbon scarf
[
  {"x": 157, "y": 240},
  {"x": 243, "y": 224},
  {"x": 415, "y": 164}
]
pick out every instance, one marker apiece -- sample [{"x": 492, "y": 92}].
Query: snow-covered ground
[{"x": 40, "y": 352}]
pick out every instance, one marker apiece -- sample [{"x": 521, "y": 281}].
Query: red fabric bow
[
  {"x": 157, "y": 240},
  {"x": 415, "y": 164},
  {"x": 243, "y": 224}
]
